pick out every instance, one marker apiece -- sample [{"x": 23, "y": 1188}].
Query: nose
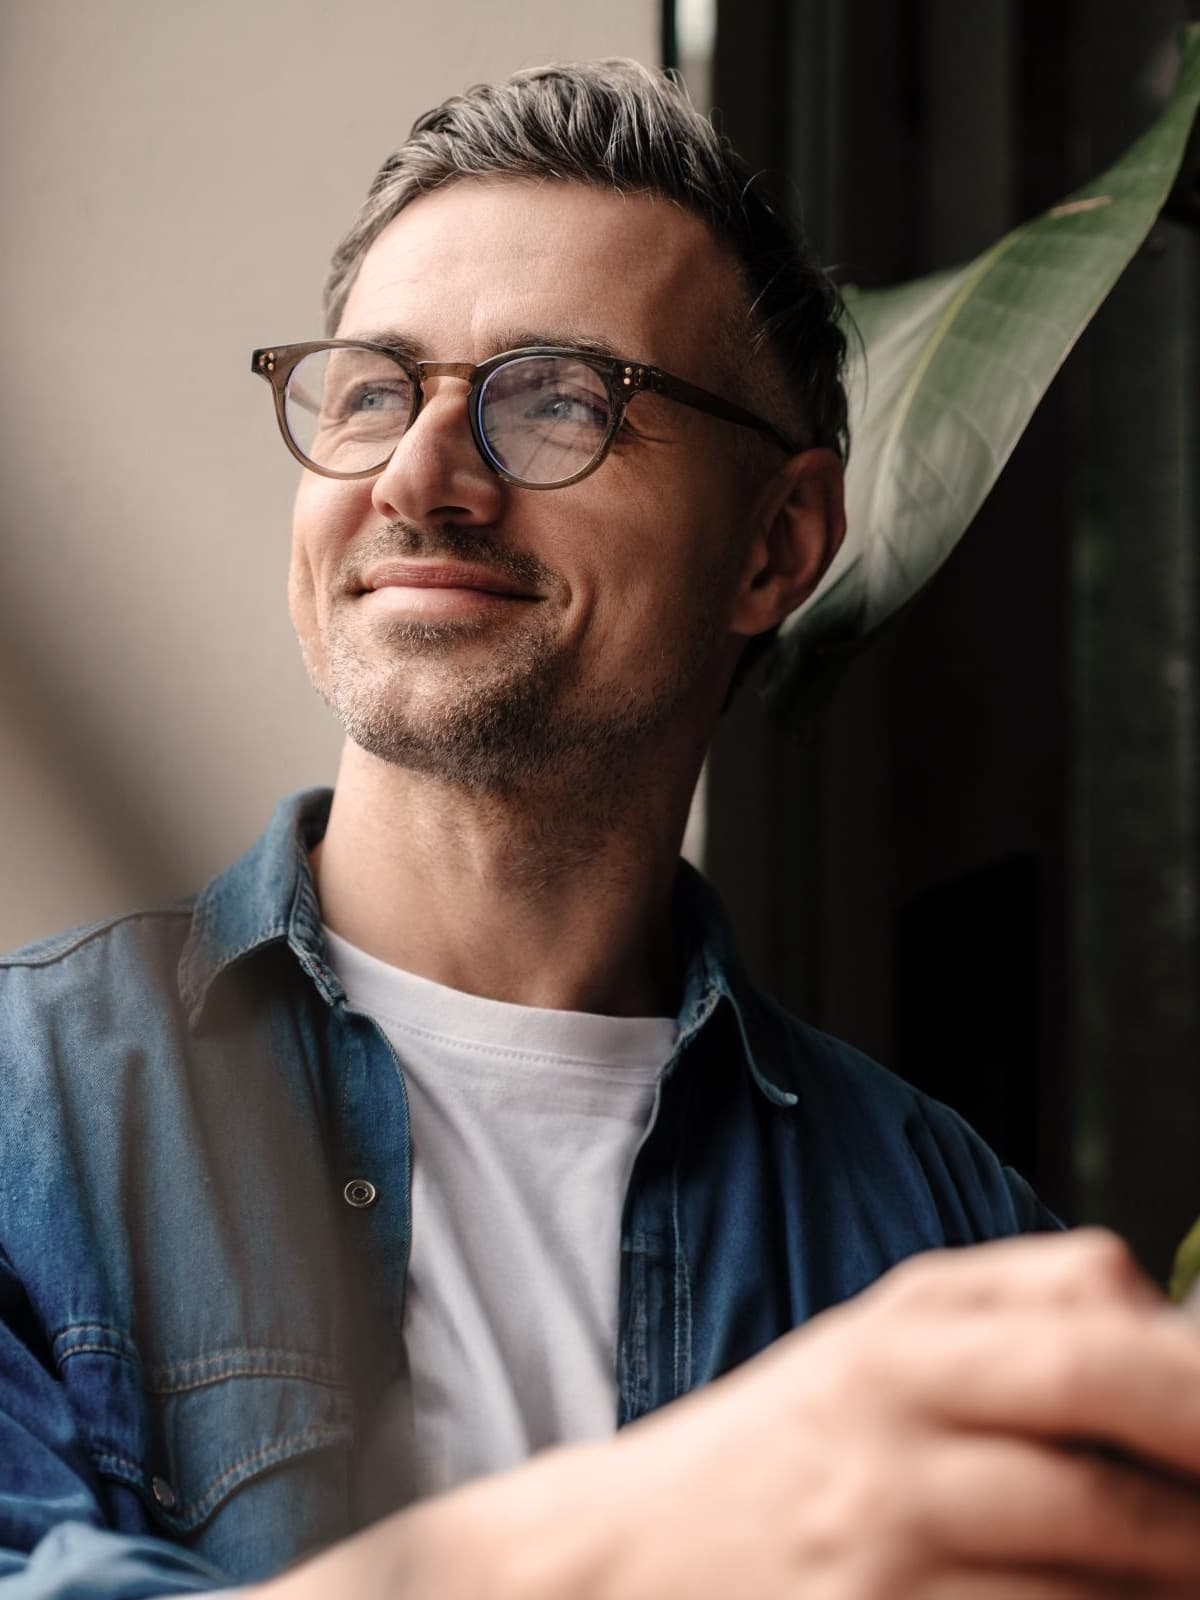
[{"x": 435, "y": 473}]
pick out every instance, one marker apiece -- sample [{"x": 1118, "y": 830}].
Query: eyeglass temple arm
[{"x": 703, "y": 400}]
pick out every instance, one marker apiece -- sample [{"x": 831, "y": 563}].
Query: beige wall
[{"x": 174, "y": 175}]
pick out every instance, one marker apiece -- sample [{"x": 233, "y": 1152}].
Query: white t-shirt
[{"x": 524, "y": 1127}]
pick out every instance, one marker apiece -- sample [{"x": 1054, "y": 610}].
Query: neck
[{"x": 558, "y": 899}]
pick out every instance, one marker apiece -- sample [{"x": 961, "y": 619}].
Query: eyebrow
[
  {"x": 414, "y": 349},
  {"x": 516, "y": 338},
  {"x": 398, "y": 343}
]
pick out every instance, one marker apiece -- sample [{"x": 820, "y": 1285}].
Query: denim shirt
[{"x": 194, "y": 1312}]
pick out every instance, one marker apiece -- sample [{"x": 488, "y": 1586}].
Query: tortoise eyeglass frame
[{"x": 623, "y": 379}]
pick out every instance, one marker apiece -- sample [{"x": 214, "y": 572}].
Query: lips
[{"x": 443, "y": 575}]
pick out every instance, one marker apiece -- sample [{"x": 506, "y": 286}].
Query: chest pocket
[{"x": 243, "y": 1457}]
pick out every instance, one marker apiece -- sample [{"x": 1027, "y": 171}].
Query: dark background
[{"x": 984, "y": 868}]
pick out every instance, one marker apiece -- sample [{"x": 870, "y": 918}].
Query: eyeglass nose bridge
[
  {"x": 465, "y": 370},
  {"x": 473, "y": 375}
]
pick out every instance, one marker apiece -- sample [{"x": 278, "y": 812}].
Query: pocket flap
[{"x": 210, "y": 1434}]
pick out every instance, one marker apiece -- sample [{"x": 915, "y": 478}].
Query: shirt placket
[
  {"x": 654, "y": 1326},
  {"x": 376, "y": 1160}
]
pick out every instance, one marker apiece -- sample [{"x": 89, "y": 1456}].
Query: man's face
[{"x": 608, "y": 619}]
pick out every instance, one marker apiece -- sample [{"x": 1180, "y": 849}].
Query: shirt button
[
  {"x": 163, "y": 1493},
  {"x": 359, "y": 1192}
]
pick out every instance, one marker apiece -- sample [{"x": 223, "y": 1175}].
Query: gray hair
[{"x": 616, "y": 125}]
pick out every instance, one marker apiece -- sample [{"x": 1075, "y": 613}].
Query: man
[{"x": 445, "y": 1129}]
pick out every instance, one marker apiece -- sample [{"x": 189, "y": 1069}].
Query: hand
[{"x": 1017, "y": 1421}]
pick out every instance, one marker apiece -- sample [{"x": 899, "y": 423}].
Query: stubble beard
[{"x": 507, "y": 723}]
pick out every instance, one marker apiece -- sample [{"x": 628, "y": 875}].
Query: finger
[
  {"x": 1085, "y": 1266},
  {"x": 1111, "y": 1377},
  {"x": 993, "y": 1499}
]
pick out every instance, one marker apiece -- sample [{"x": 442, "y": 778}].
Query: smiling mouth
[{"x": 450, "y": 578}]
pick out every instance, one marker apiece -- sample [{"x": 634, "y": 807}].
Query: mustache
[{"x": 478, "y": 546}]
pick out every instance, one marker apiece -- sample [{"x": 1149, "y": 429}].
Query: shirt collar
[
  {"x": 269, "y": 897},
  {"x": 715, "y": 976},
  {"x": 266, "y": 897}
]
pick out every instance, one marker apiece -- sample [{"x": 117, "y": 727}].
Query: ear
[{"x": 797, "y": 525}]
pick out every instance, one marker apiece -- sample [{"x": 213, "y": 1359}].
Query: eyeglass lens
[{"x": 543, "y": 418}]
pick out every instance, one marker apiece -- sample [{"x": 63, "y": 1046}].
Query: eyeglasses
[{"x": 541, "y": 417}]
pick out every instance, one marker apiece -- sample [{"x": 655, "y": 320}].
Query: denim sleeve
[
  {"x": 53, "y": 1541},
  {"x": 1032, "y": 1216},
  {"x": 76, "y": 1561},
  {"x": 976, "y": 1196}
]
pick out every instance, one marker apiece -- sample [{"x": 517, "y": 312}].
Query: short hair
[{"x": 615, "y": 124}]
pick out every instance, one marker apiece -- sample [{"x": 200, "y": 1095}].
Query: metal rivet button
[
  {"x": 162, "y": 1492},
  {"x": 359, "y": 1192}
]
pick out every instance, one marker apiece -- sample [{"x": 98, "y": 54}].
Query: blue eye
[
  {"x": 573, "y": 408},
  {"x": 374, "y": 397}
]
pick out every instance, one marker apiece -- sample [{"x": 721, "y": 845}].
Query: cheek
[
  {"x": 666, "y": 590},
  {"x": 690, "y": 549},
  {"x": 325, "y": 515}
]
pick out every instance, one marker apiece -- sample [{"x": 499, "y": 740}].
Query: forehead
[{"x": 464, "y": 269}]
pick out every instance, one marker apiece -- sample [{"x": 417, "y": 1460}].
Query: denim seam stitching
[
  {"x": 640, "y": 1329},
  {"x": 87, "y": 935},
  {"x": 100, "y": 1338},
  {"x": 202, "y": 966},
  {"x": 263, "y": 936},
  {"x": 349, "y": 1064},
  {"x": 109, "y": 1458},
  {"x": 171, "y": 1378},
  {"x": 225, "y": 1375},
  {"x": 261, "y": 1352},
  {"x": 683, "y": 1280},
  {"x": 277, "y": 1450},
  {"x": 96, "y": 1349}
]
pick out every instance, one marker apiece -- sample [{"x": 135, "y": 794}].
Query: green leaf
[
  {"x": 1185, "y": 1279},
  {"x": 956, "y": 365}
]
